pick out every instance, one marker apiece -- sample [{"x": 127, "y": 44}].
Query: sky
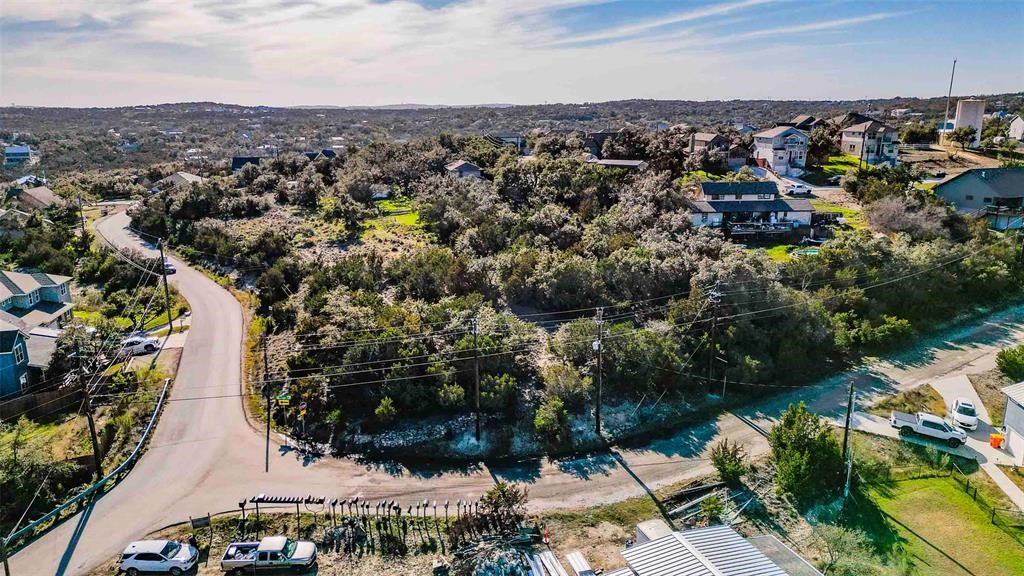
[{"x": 375, "y": 52}]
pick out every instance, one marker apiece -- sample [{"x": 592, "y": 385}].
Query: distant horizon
[
  {"x": 374, "y": 53},
  {"x": 419, "y": 105}
]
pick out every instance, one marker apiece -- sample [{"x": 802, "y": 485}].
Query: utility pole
[
  {"x": 96, "y": 463},
  {"x": 599, "y": 348},
  {"x": 266, "y": 392},
  {"x": 713, "y": 297},
  {"x": 849, "y": 464},
  {"x": 167, "y": 290},
  {"x": 81, "y": 215},
  {"x": 945, "y": 118},
  {"x": 849, "y": 415},
  {"x": 476, "y": 373},
  {"x": 3, "y": 553}
]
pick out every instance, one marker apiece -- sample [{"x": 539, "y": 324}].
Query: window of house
[
  {"x": 63, "y": 289},
  {"x": 969, "y": 197},
  {"x": 851, "y": 147},
  {"x": 703, "y": 216},
  {"x": 739, "y": 196},
  {"x": 988, "y": 200},
  {"x": 19, "y": 353},
  {"x": 23, "y": 381}
]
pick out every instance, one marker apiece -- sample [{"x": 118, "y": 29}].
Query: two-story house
[
  {"x": 13, "y": 359},
  {"x": 35, "y": 300},
  {"x": 783, "y": 148},
  {"x": 995, "y": 193},
  {"x": 871, "y": 141},
  {"x": 748, "y": 208},
  {"x": 709, "y": 141},
  {"x": 17, "y": 155}
]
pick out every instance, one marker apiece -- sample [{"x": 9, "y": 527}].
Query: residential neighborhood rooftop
[{"x": 993, "y": 182}]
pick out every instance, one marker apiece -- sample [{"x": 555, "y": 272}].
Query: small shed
[
  {"x": 652, "y": 530},
  {"x": 1013, "y": 421}
]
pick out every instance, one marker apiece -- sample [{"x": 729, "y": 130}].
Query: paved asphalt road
[{"x": 205, "y": 456}]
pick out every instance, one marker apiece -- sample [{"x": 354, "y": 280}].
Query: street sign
[{"x": 284, "y": 400}]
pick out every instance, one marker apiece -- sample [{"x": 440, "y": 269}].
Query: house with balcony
[
  {"x": 31, "y": 300},
  {"x": 748, "y": 208},
  {"x": 17, "y": 155},
  {"x": 783, "y": 148},
  {"x": 871, "y": 141},
  {"x": 997, "y": 194}
]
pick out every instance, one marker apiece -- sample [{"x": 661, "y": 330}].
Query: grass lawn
[
  {"x": 855, "y": 218},
  {"x": 781, "y": 252},
  {"x": 920, "y": 399},
  {"x": 944, "y": 532},
  {"x": 396, "y": 212},
  {"x": 836, "y": 166},
  {"x": 988, "y": 385}
]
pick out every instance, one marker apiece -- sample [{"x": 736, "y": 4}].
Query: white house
[
  {"x": 1016, "y": 130},
  {"x": 1013, "y": 421},
  {"x": 782, "y": 147}
]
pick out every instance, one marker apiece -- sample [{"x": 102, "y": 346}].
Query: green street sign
[{"x": 284, "y": 400}]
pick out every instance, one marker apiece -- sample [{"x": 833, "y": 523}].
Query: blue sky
[{"x": 359, "y": 52}]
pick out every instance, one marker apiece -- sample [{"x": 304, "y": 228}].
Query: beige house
[{"x": 871, "y": 141}]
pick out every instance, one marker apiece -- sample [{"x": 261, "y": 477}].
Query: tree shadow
[{"x": 586, "y": 466}]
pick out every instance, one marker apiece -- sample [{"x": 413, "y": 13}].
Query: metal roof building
[{"x": 712, "y": 551}]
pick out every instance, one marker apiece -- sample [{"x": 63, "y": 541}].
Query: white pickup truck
[
  {"x": 927, "y": 424},
  {"x": 271, "y": 554}
]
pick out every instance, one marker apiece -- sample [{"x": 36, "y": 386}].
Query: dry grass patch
[
  {"x": 920, "y": 399},
  {"x": 988, "y": 386}
]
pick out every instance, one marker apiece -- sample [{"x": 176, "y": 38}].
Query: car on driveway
[
  {"x": 964, "y": 413},
  {"x": 794, "y": 189},
  {"x": 929, "y": 425},
  {"x": 834, "y": 180},
  {"x": 136, "y": 345},
  {"x": 160, "y": 556}
]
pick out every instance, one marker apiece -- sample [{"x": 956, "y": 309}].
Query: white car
[
  {"x": 165, "y": 556},
  {"x": 964, "y": 414},
  {"x": 136, "y": 345},
  {"x": 798, "y": 190}
]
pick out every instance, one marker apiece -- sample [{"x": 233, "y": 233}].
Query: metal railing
[{"x": 95, "y": 487}]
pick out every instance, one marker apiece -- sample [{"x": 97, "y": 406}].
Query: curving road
[{"x": 205, "y": 456}]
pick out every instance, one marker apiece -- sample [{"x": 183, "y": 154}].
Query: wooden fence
[{"x": 39, "y": 403}]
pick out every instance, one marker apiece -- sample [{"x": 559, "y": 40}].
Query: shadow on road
[{"x": 69, "y": 552}]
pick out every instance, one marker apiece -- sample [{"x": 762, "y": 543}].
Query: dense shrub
[
  {"x": 729, "y": 458},
  {"x": 1011, "y": 362},
  {"x": 806, "y": 454},
  {"x": 552, "y": 421}
]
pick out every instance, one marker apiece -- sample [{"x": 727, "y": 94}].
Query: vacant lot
[
  {"x": 951, "y": 162},
  {"x": 920, "y": 399},
  {"x": 989, "y": 385},
  {"x": 836, "y": 166},
  {"x": 853, "y": 216},
  {"x": 944, "y": 531}
]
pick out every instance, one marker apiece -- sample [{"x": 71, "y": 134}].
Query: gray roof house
[
  {"x": 39, "y": 198},
  {"x": 748, "y": 208},
  {"x": 35, "y": 299},
  {"x": 995, "y": 193},
  {"x": 464, "y": 169},
  {"x": 179, "y": 179}
]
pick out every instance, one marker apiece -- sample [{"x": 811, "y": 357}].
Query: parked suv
[
  {"x": 136, "y": 345},
  {"x": 964, "y": 414},
  {"x": 165, "y": 556}
]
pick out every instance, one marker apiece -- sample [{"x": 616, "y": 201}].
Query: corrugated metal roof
[
  {"x": 730, "y": 553},
  {"x": 712, "y": 551},
  {"x": 667, "y": 556},
  {"x": 1015, "y": 392}
]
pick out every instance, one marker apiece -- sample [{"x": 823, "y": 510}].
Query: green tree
[
  {"x": 1011, "y": 362},
  {"x": 498, "y": 393},
  {"x": 451, "y": 396},
  {"x": 729, "y": 458},
  {"x": 806, "y": 454},
  {"x": 386, "y": 411},
  {"x": 963, "y": 136},
  {"x": 565, "y": 383},
  {"x": 552, "y": 421},
  {"x": 712, "y": 509},
  {"x": 822, "y": 143},
  {"x": 918, "y": 134},
  {"x": 847, "y": 552}
]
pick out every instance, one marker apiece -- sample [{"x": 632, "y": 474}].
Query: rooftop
[
  {"x": 1015, "y": 392},
  {"x": 712, "y": 551},
  {"x": 20, "y": 283},
  {"x": 991, "y": 182},
  {"x": 758, "y": 187},
  {"x": 777, "y": 131}
]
